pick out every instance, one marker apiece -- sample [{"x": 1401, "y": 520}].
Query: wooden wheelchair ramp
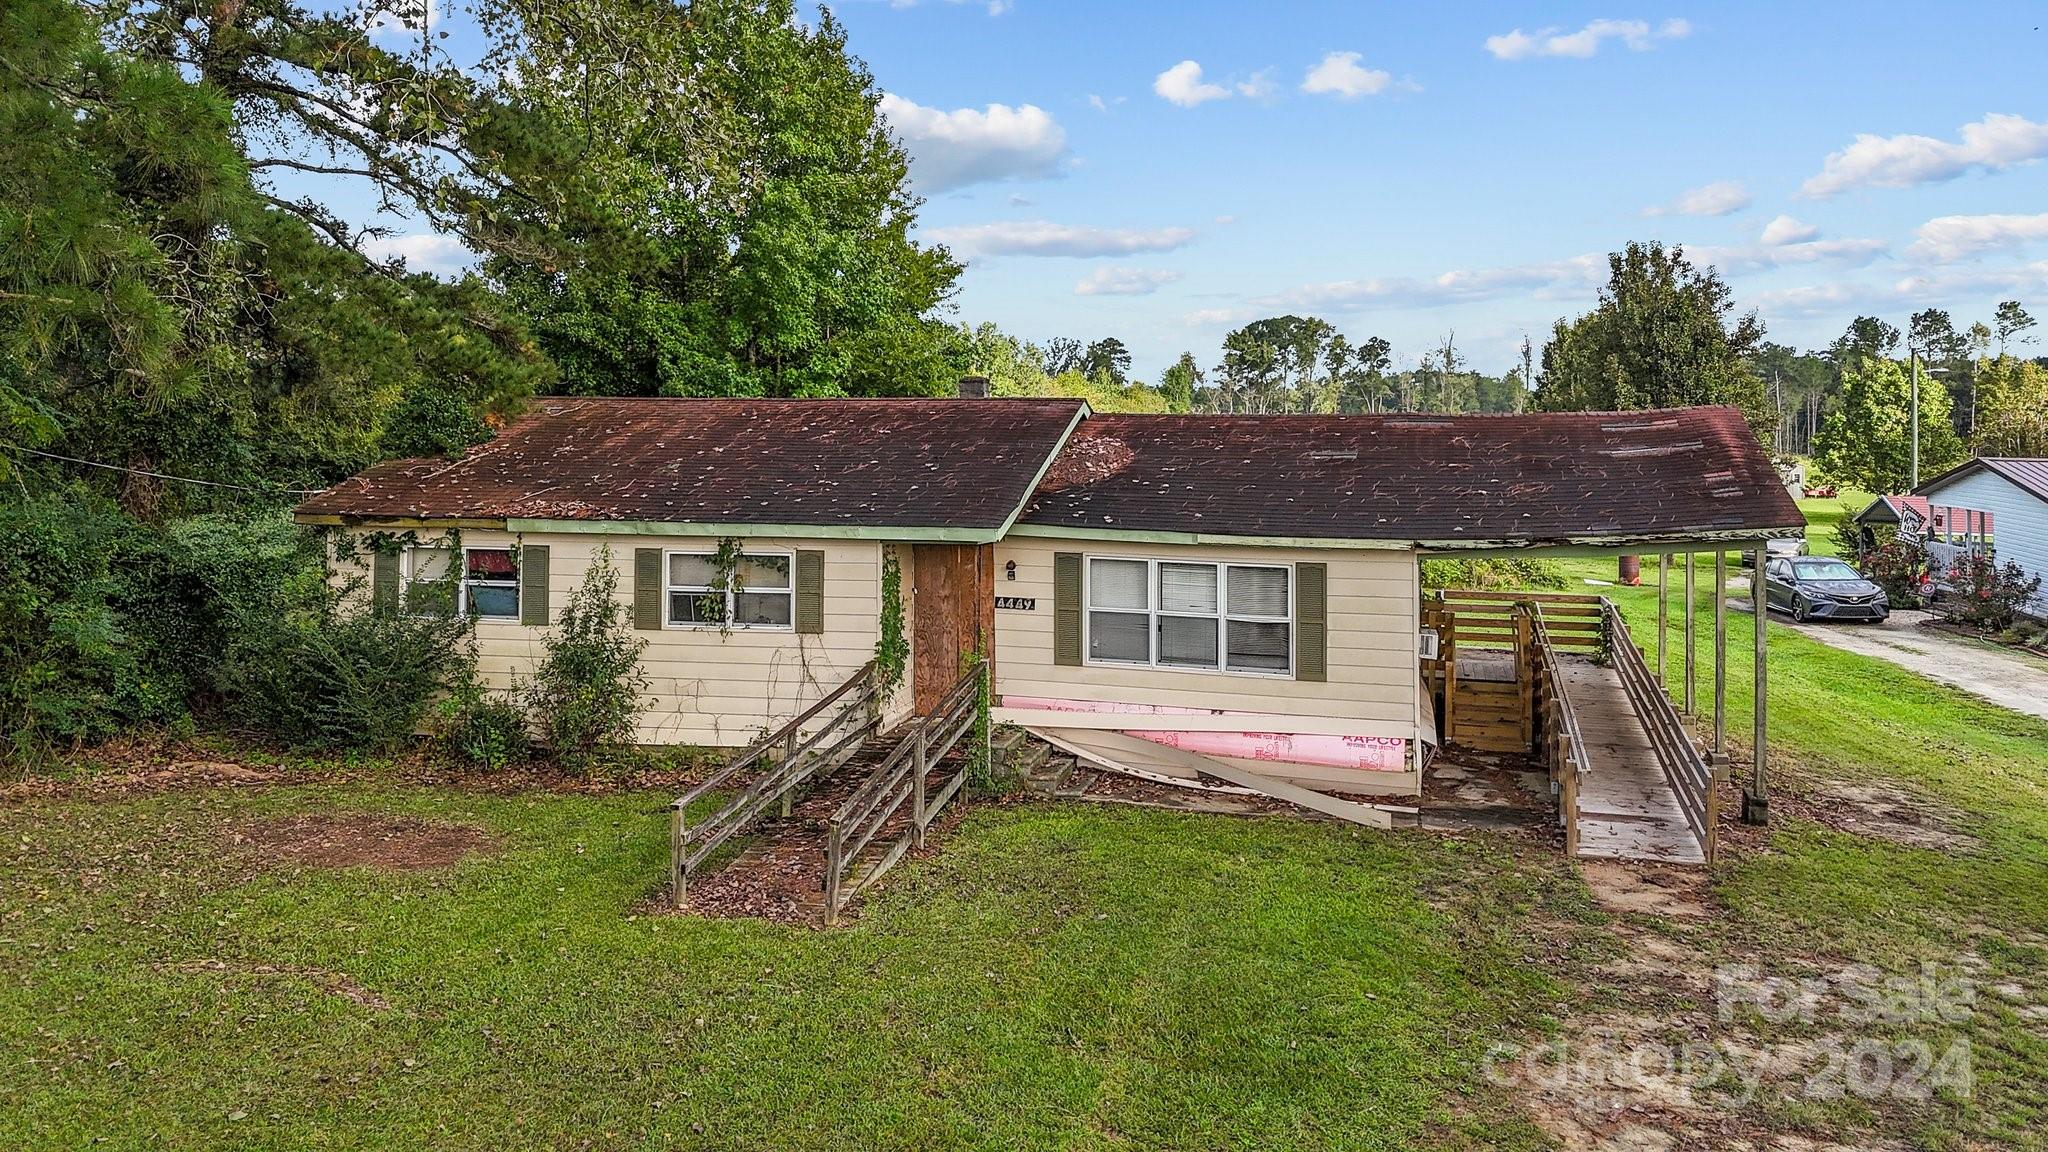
[
  {"x": 1627, "y": 808},
  {"x": 1559, "y": 677}
]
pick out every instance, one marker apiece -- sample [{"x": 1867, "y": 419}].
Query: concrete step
[
  {"x": 1051, "y": 775},
  {"x": 1029, "y": 760},
  {"x": 1078, "y": 783}
]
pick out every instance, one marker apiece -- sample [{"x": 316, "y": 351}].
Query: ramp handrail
[
  {"x": 1562, "y": 741},
  {"x": 802, "y": 758},
  {"x": 1692, "y": 780},
  {"x": 902, "y": 777}
]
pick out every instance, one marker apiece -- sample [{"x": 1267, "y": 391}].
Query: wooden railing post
[
  {"x": 834, "y": 848},
  {"x": 919, "y": 751},
  {"x": 677, "y": 870},
  {"x": 788, "y": 757}
]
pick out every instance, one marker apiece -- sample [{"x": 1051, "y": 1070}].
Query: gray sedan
[{"x": 1822, "y": 588}]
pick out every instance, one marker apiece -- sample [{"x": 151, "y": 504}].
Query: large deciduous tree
[
  {"x": 757, "y": 245},
  {"x": 1868, "y": 442},
  {"x": 2012, "y": 408},
  {"x": 1664, "y": 333}
]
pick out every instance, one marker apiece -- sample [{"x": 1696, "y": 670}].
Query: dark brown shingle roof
[
  {"x": 1534, "y": 478},
  {"x": 962, "y": 464}
]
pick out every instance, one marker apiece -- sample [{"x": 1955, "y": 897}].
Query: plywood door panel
[{"x": 953, "y": 614}]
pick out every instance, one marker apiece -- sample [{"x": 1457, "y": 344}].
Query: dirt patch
[
  {"x": 342, "y": 840},
  {"x": 331, "y": 982},
  {"x": 1885, "y": 813},
  {"x": 1638, "y": 886}
]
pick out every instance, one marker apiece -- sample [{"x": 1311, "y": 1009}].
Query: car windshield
[{"x": 1825, "y": 570}]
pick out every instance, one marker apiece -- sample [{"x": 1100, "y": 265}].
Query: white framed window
[
  {"x": 1180, "y": 614},
  {"x": 487, "y": 587},
  {"x": 761, "y": 594}
]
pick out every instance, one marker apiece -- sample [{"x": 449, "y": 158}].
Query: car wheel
[{"x": 1799, "y": 613}]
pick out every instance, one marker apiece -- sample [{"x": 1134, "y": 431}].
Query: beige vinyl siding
[
  {"x": 1371, "y": 604},
  {"x": 704, "y": 687},
  {"x": 1371, "y": 650}
]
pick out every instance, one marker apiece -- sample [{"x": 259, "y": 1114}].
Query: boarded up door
[{"x": 953, "y": 614}]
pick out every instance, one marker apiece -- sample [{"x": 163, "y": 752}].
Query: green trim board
[
  {"x": 800, "y": 531},
  {"x": 1648, "y": 543},
  {"x": 1080, "y": 414}
]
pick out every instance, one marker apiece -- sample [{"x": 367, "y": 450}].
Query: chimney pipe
[{"x": 974, "y": 387}]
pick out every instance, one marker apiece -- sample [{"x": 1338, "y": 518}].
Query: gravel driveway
[{"x": 2007, "y": 679}]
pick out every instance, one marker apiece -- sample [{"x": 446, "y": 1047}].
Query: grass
[
  {"x": 1057, "y": 977},
  {"x": 1816, "y": 898}
]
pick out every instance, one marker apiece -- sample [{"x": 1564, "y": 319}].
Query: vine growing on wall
[
  {"x": 892, "y": 649},
  {"x": 980, "y": 762},
  {"x": 725, "y": 578}
]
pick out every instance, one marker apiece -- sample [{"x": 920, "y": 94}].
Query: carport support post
[
  {"x": 1720, "y": 658},
  {"x": 1663, "y": 608},
  {"x": 1756, "y": 804},
  {"x": 1688, "y": 634}
]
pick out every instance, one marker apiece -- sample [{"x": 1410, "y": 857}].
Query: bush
[
  {"x": 1987, "y": 594},
  {"x": 1900, "y": 568},
  {"x": 335, "y": 675},
  {"x": 1498, "y": 572},
  {"x": 480, "y": 727},
  {"x": 92, "y": 637},
  {"x": 587, "y": 690}
]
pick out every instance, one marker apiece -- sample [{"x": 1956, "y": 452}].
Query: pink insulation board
[{"x": 1370, "y": 753}]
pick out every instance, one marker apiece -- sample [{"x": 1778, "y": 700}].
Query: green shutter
[
  {"x": 810, "y": 591},
  {"x": 1311, "y": 622},
  {"x": 384, "y": 583},
  {"x": 647, "y": 589},
  {"x": 1066, "y": 608},
  {"x": 533, "y": 585}
]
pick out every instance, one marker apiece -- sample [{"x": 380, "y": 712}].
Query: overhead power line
[{"x": 162, "y": 475}]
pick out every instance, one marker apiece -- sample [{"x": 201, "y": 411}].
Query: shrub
[
  {"x": 1900, "y": 568},
  {"x": 1507, "y": 572},
  {"x": 587, "y": 690},
  {"x": 483, "y": 728},
  {"x": 1987, "y": 594},
  {"x": 333, "y": 674},
  {"x": 93, "y": 637}
]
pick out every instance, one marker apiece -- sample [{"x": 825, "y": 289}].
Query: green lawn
[{"x": 1056, "y": 977}]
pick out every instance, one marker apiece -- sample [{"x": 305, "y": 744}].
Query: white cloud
[
  {"x": 1570, "y": 276},
  {"x": 1636, "y": 35},
  {"x": 1992, "y": 144},
  {"x": 1259, "y": 86},
  {"x": 400, "y": 19},
  {"x": 1182, "y": 84},
  {"x": 1044, "y": 238},
  {"x": 1124, "y": 282},
  {"x": 422, "y": 252},
  {"x": 1340, "y": 75},
  {"x": 1945, "y": 239},
  {"x": 951, "y": 150},
  {"x": 1786, "y": 230},
  {"x": 1103, "y": 105},
  {"x": 1738, "y": 258},
  {"x": 1718, "y": 199}
]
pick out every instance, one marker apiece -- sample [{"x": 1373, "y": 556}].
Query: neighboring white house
[{"x": 1997, "y": 505}]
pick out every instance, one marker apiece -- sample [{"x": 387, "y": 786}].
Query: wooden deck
[{"x": 1627, "y": 807}]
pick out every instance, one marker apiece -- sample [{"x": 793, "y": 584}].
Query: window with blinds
[{"x": 1177, "y": 614}]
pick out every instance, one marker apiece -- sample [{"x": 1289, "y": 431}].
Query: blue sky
[{"x": 1407, "y": 170}]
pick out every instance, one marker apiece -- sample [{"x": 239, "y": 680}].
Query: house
[
  {"x": 1993, "y": 505},
  {"x": 1242, "y": 588}
]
